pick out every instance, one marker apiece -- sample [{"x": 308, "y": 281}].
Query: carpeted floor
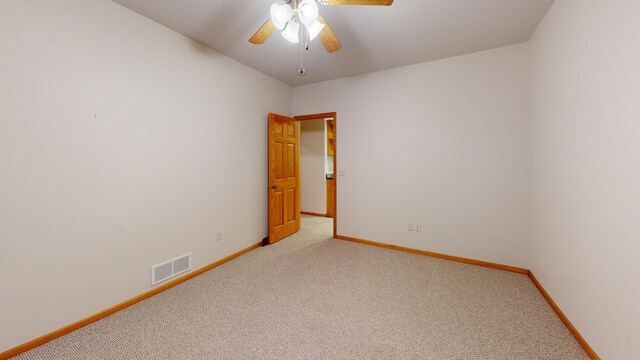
[{"x": 313, "y": 297}]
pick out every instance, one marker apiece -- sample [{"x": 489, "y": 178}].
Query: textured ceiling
[{"x": 373, "y": 37}]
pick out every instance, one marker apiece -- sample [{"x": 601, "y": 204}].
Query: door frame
[{"x": 335, "y": 160}]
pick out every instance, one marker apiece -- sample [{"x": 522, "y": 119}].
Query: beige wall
[
  {"x": 313, "y": 187},
  {"x": 586, "y": 131},
  {"x": 87, "y": 205},
  {"x": 444, "y": 143}
]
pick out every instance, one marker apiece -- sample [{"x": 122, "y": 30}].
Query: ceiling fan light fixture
[
  {"x": 280, "y": 15},
  {"x": 291, "y": 32},
  {"x": 308, "y": 12},
  {"x": 314, "y": 29}
]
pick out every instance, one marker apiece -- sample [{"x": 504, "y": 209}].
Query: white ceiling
[{"x": 373, "y": 37}]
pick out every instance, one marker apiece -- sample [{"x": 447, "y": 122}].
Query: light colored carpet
[{"x": 312, "y": 297}]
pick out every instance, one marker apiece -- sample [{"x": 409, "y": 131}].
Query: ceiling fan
[{"x": 290, "y": 16}]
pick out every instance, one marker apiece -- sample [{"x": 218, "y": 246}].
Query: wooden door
[
  {"x": 284, "y": 177},
  {"x": 330, "y": 196}
]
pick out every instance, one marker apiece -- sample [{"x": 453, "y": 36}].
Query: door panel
[
  {"x": 284, "y": 174},
  {"x": 278, "y": 173},
  {"x": 291, "y": 206},
  {"x": 291, "y": 161},
  {"x": 278, "y": 219},
  {"x": 291, "y": 130}
]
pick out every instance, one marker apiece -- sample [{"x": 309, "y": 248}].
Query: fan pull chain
[{"x": 304, "y": 45}]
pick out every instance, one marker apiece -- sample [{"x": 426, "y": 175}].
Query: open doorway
[
  {"x": 285, "y": 210},
  {"x": 317, "y": 180}
]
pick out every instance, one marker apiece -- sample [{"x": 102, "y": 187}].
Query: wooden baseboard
[
  {"x": 585, "y": 346},
  {"x": 86, "y": 321},
  {"x": 437, "y": 255},
  {"x": 72, "y": 327},
  {"x": 583, "y": 343},
  {"x": 313, "y": 214}
]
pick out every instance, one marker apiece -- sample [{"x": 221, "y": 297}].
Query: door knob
[{"x": 274, "y": 186}]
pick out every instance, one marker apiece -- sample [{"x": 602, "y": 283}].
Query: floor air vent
[{"x": 170, "y": 268}]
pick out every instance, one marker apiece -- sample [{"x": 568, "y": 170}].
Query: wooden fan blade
[
  {"x": 357, "y": 2},
  {"x": 328, "y": 38},
  {"x": 263, "y": 34}
]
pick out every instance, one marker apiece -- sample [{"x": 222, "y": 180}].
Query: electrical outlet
[
  {"x": 219, "y": 236},
  {"x": 418, "y": 227},
  {"x": 412, "y": 226}
]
